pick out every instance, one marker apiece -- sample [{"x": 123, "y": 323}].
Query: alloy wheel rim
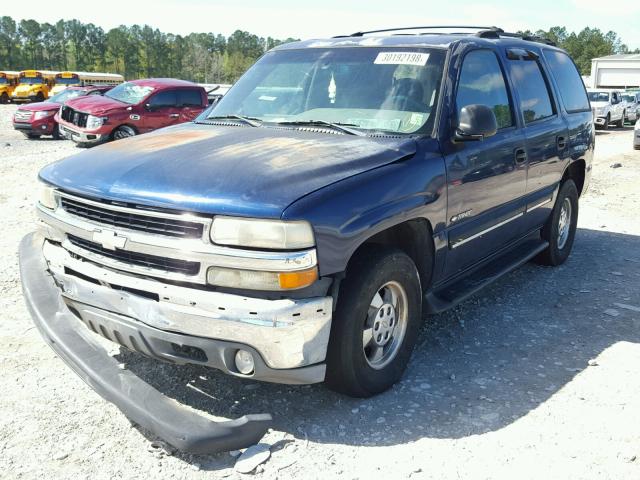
[
  {"x": 564, "y": 223},
  {"x": 385, "y": 326}
]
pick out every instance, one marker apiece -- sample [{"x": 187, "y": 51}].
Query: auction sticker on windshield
[{"x": 402, "y": 58}]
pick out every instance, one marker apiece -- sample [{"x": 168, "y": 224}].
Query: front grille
[
  {"x": 70, "y": 115},
  {"x": 144, "y": 223},
  {"x": 170, "y": 265},
  {"x": 22, "y": 115}
]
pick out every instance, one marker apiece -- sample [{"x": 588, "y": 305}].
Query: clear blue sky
[{"x": 321, "y": 18}]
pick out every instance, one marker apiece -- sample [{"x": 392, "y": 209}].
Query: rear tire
[
  {"x": 376, "y": 323},
  {"x": 560, "y": 229},
  {"x": 620, "y": 123},
  {"x": 123, "y": 131}
]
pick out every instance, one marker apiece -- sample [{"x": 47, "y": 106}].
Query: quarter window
[
  {"x": 568, "y": 79},
  {"x": 535, "y": 101},
  {"x": 482, "y": 82}
]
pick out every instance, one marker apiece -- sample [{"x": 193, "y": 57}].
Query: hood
[
  {"x": 230, "y": 170},
  {"x": 94, "y": 104},
  {"x": 40, "y": 106}
]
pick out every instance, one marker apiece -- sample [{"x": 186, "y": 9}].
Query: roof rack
[
  {"x": 428, "y": 27},
  {"x": 482, "y": 32}
]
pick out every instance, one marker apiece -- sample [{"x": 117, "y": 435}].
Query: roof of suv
[
  {"x": 163, "y": 82},
  {"x": 422, "y": 39}
]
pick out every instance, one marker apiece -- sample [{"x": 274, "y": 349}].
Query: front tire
[
  {"x": 4, "y": 98},
  {"x": 40, "y": 97},
  {"x": 56, "y": 132},
  {"x": 560, "y": 229},
  {"x": 124, "y": 131},
  {"x": 620, "y": 123},
  {"x": 606, "y": 122},
  {"x": 32, "y": 136},
  {"x": 376, "y": 323}
]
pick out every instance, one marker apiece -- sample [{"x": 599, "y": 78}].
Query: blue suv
[{"x": 301, "y": 230}]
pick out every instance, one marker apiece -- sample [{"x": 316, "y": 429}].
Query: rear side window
[
  {"x": 189, "y": 98},
  {"x": 482, "y": 82},
  {"x": 535, "y": 101},
  {"x": 568, "y": 79},
  {"x": 166, "y": 98}
]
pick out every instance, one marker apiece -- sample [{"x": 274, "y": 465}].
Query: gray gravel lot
[{"x": 536, "y": 377}]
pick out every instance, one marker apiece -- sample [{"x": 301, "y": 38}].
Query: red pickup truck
[
  {"x": 131, "y": 108},
  {"x": 37, "y": 119}
]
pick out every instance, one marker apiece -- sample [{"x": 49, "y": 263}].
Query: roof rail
[
  {"x": 482, "y": 32},
  {"x": 428, "y": 27}
]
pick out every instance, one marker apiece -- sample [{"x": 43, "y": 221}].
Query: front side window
[
  {"x": 129, "y": 92},
  {"x": 370, "y": 88},
  {"x": 535, "y": 100},
  {"x": 164, "y": 99},
  {"x": 568, "y": 79},
  {"x": 482, "y": 82}
]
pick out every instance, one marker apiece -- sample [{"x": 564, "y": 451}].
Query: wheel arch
[{"x": 576, "y": 171}]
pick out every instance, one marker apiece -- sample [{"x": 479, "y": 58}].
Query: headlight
[
  {"x": 258, "y": 233},
  {"x": 95, "y": 122},
  {"x": 40, "y": 115},
  {"x": 256, "y": 280},
  {"x": 47, "y": 197}
]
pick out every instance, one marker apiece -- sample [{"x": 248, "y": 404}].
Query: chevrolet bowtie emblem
[{"x": 109, "y": 239}]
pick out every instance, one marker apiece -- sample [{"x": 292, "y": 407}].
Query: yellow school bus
[
  {"x": 8, "y": 82},
  {"x": 33, "y": 86},
  {"x": 68, "y": 79}
]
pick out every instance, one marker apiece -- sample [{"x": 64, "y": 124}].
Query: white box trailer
[{"x": 616, "y": 71}]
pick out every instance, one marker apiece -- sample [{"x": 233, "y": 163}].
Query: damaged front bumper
[{"x": 59, "y": 301}]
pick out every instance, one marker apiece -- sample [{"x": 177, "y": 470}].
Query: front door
[
  {"x": 161, "y": 110},
  {"x": 486, "y": 180}
]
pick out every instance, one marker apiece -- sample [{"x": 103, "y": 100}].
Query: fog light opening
[{"x": 244, "y": 362}]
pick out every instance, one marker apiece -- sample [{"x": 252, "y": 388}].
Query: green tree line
[
  {"x": 585, "y": 45},
  {"x": 133, "y": 51},
  {"x": 142, "y": 51}
]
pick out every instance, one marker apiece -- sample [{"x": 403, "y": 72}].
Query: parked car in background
[
  {"x": 8, "y": 82},
  {"x": 608, "y": 107},
  {"x": 129, "y": 109},
  {"x": 631, "y": 102},
  {"x": 63, "y": 80},
  {"x": 299, "y": 231},
  {"x": 37, "y": 119},
  {"x": 33, "y": 86},
  {"x": 636, "y": 135}
]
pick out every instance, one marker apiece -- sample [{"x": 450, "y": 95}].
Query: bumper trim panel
[{"x": 139, "y": 401}]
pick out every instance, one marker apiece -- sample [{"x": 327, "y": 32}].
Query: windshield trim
[{"x": 432, "y": 132}]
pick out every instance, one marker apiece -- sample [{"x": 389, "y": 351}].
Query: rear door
[
  {"x": 191, "y": 103},
  {"x": 486, "y": 180},
  {"x": 161, "y": 110},
  {"x": 546, "y": 130}
]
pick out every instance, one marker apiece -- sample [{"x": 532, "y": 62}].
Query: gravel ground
[{"x": 536, "y": 377}]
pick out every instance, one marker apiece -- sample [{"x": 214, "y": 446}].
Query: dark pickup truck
[{"x": 301, "y": 230}]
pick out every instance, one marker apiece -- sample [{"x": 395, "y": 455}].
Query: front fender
[{"x": 347, "y": 213}]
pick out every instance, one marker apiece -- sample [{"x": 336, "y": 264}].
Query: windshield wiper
[
  {"x": 342, "y": 127},
  {"x": 252, "y": 121}
]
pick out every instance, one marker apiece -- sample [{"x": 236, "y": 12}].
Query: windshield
[
  {"x": 629, "y": 98},
  {"x": 67, "y": 81},
  {"x": 3, "y": 81},
  {"x": 129, "y": 93},
  {"x": 31, "y": 80},
  {"x": 65, "y": 95},
  {"x": 373, "y": 89},
  {"x": 598, "y": 96}
]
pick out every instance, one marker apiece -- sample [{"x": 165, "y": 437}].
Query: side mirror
[{"x": 475, "y": 122}]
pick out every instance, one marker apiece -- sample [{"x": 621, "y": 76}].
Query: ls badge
[{"x": 109, "y": 239}]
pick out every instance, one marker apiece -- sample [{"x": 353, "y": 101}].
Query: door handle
[
  {"x": 521, "y": 156},
  {"x": 174, "y": 115},
  {"x": 561, "y": 142}
]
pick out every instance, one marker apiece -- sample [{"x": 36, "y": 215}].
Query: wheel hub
[{"x": 384, "y": 324}]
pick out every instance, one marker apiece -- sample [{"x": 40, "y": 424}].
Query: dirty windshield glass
[
  {"x": 65, "y": 95},
  {"x": 598, "y": 96},
  {"x": 370, "y": 89},
  {"x": 129, "y": 92}
]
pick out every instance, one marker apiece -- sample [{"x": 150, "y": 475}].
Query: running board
[{"x": 449, "y": 296}]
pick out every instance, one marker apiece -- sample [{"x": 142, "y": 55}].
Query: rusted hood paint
[{"x": 222, "y": 169}]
